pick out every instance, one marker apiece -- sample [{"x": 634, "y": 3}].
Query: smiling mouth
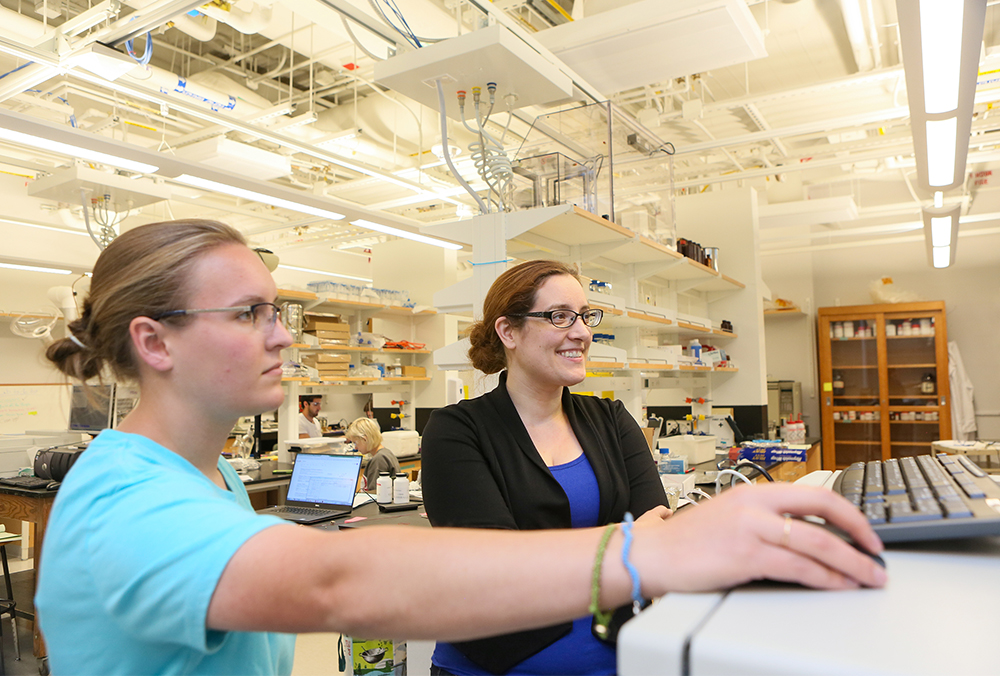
[{"x": 572, "y": 354}]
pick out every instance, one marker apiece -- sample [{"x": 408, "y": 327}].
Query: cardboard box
[
  {"x": 414, "y": 371},
  {"x": 319, "y": 322},
  {"x": 335, "y": 342},
  {"x": 336, "y": 335},
  {"x": 325, "y": 359}
]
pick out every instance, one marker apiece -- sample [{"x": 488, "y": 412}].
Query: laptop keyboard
[
  {"x": 305, "y": 511},
  {"x": 924, "y": 497}
]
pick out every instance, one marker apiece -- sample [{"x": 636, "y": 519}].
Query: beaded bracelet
[
  {"x": 602, "y": 618},
  {"x": 633, "y": 573}
]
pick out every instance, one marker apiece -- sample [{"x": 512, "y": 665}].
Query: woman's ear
[
  {"x": 148, "y": 343},
  {"x": 505, "y": 331}
]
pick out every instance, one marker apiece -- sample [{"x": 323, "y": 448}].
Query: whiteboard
[{"x": 34, "y": 407}]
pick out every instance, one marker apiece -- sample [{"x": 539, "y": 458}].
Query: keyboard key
[
  {"x": 970, "y": 466},
  {"x": 875, "y": 512},
  {"x": 894, "y": 483},
  {"x": 873, "y": 478},
  {"x": 911, "y": 472},
  {"x": 955, "y": 509}
]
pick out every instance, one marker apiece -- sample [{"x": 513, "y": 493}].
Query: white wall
[{"x": 971, "y": 292}]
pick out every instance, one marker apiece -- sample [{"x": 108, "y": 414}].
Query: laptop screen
[{"x": 324, "y": 479}]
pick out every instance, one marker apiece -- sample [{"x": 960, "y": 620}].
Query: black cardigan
[{"x": 481, "y": 470}]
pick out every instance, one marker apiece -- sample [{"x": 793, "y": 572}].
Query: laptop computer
[{"x": 322, "y": 488}]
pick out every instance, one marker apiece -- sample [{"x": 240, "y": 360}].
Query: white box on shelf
[
  {"x": 401, "y": 442},
  {"x": 697, "y": 448}
]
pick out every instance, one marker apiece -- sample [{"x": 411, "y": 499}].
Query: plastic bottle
[
  {"x": 384, "y": 493},
  {"x": 662, "y": 464},
  {"x": 695, "y": 348},
  {"x": 401, "y": 489}
]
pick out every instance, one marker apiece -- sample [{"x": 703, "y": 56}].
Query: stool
[{"x": 7, "y": 605}]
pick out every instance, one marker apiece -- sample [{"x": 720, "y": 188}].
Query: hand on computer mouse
[{"x": 755, "y": 536}]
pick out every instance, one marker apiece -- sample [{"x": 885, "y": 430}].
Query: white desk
[{"x": 937, "y": 615}]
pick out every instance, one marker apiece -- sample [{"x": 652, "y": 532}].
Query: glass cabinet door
[
  {"x": 914, "y": 383},
  {"x": 856, "y": 389}
]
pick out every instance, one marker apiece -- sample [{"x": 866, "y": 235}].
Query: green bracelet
[{"x": 601, "y": 617}]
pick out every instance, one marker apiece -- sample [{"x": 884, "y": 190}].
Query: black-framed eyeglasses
[
  {"x": 563, "y": 319},
  {"x": 263, "y": 316}
]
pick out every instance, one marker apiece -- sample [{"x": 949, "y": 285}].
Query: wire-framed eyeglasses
[
  {"x": 563, "y": 319},
  {"x": 263, "y": 316}
]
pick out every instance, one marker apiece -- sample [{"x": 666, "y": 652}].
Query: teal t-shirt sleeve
[{"x": 159, "y": 553}]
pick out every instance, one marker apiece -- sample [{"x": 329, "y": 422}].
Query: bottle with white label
[
  {"x": 401, "y": 489},
  {"x": 384, "y": 493}
]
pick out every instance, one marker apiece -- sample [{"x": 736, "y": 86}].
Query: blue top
[
  {"x": 134, "y": 549},
  {"x": 577, "y": 652}
]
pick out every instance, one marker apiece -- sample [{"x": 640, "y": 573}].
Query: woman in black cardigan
[{"x": 529, "y": 455}]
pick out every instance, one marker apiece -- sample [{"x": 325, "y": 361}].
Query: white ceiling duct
[
  {"x": 853, "y": 21},
  {"x": 199, "y": 27},
  {"x": 245, "y": 22},
  {"x": 23, "y": 29}
]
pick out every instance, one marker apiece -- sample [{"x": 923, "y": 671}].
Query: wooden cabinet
[{"x": 883, "y": 381}]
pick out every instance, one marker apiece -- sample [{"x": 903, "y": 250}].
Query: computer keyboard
[
  {"x": 25, "y": 481},
  {"x": 924, "y": 497},
  {"x": 305, "y": 511}
]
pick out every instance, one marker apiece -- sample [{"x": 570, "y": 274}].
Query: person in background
[
  {"x": 155, "y": 561},
  {"x": 309, "y": 406},
  {"x": 530, "y": 455},
  {"x": 366, "y": 436}
]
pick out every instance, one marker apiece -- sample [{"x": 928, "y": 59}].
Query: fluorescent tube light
[
  {"x": 941, "y": 139},
  {"x": 941, "y": 231},
  {"x": 205, "y": 184},
  {"x": 76, "y": 151},
  {"x": 361, "y": 223},
  {"x": 325, "y": 273},
  {"x": 941, "y": 45},
  {"x": 35, "y": 268},
  {"x": 65, "y": 231}
]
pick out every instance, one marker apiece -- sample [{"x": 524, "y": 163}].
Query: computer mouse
[{"x": 849, "y": 540}]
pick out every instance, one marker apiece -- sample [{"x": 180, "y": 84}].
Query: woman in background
[
  {"x": 366, "y": 436},
  {"x": 531, "y": 455},
  {"x": 155, "y": 561}
]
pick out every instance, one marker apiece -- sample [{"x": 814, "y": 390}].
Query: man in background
[{"x": 309, "y": 405}]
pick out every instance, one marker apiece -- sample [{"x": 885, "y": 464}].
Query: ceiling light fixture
[
  {"x": 324, "y": 272},
  {"x": 206, "y": 184},
  {"x": 940, "y": 41},
  {"x": 102, "y": 60},
  {"x": 396, "y": 232},
  {"x": 65, "y": 231},
  {"x": 35, "y": 268},
  {"x": 75, "y": 151},
  {"x": 941, "y": 233}
]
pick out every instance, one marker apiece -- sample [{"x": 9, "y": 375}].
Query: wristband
[
  {"x": 601, "y": 617},
  {"x": 633, "y": 573}
]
